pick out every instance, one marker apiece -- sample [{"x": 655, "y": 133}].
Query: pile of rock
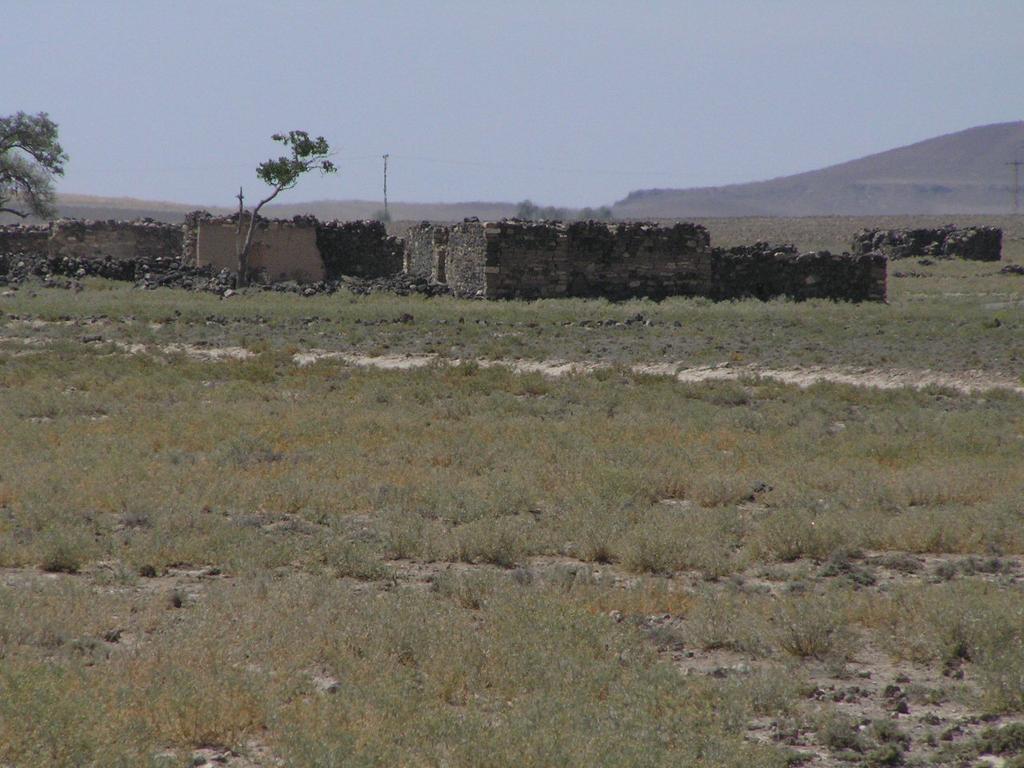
[
  {"x": 949, "y": 242},
  {"x": 164, "y": 272}
]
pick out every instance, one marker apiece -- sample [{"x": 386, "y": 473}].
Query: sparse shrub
[
  {"x": 62, "y": 556},
  {"x": 731, "y": 619},
  {"x": 887, "y": 754},
  {"x": 502, "y": 542},
  {"x": 351, "y": 559},
  {"x": 839, "y": 733},
  {"x": 809, "y": 626},
  {"x": 1003, "y": 740}
]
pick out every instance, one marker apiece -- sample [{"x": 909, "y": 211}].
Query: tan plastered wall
[{"x": 285, "y": 251}]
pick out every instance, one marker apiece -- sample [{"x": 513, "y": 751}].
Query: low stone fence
[
  {"x": 79, "y": 239},
  {"x": 16, "y": 238},
  {"x": 949, "y": 242}
]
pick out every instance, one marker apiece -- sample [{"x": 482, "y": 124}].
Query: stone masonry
[
  {"x": 519, "y": 259},
  {"x": 358, "y": 248},
  {"x": 507, "y": 259},
  {"x": 530, "y": 260},
  {"x": 949, "y": 242},
  {"x": 77, "y": 239}
]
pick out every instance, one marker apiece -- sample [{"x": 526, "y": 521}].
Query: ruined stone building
[
  {"x": 508, "y": 259},
  {"x": 531, "y": 260}
]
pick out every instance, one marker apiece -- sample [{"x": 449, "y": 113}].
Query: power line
[{"x": 385, "y": 156}]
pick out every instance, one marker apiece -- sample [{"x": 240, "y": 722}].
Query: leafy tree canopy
[
  {"x": 30, "y": 157},
  {"x": 307, "y": 155}
]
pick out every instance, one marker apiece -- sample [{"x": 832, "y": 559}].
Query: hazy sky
[{"x": 573, "y": 103}]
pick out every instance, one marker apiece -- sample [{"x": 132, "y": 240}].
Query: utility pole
[
  {"x": 1016, "y": 184},
  {"x": 385, "y": 185}
]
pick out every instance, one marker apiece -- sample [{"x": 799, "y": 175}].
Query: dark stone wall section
[
  {"x": 535, "y": 260},
  {"x": 767, "y": 273},
  {"x": 949, "y": 242},
  {"x": 15, "y": 238},
  {"x": 358, "y": 248}
]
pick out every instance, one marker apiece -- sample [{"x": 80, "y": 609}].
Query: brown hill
[{"x": 962, "y": 172}]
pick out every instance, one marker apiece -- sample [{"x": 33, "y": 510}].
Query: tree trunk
[{"x": 243, "y": 251}]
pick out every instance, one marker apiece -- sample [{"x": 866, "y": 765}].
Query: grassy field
[{"x": 233, "y": 559}]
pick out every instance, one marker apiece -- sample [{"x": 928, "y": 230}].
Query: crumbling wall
[
  {"x": 359, "y": 248},
  {"x": 426, "y": 251},
  {"x": 531, "y": 260},
  {"x": 190, "y": 235},
  {"x": 115, "y": 240},
  {"x": 281, "y": 250},
  {"x": 975, "y": 243},
  {"x": 16, "y": 238}
]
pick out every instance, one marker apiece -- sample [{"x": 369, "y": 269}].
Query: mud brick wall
[
  {"x": 766, "y": 273},
  {"x": 16, "y": 238},
  {"x": 281, "y": 249},
  {"x": 976, "y": 243},
  {"x": 359, "y": 248},
  {"x": 115, "y": 240}
]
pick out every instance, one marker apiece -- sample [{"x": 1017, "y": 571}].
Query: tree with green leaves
[
  {"x": 30, "y": 157},
  {"x": 281, "y": 174}
]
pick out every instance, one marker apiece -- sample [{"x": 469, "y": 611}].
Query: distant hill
[
  {"x": 90, "y": 207},
  {"x": 962, "y": 172}
]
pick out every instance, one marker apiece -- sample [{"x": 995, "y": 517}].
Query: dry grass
[{"x": 490, "y": 568}]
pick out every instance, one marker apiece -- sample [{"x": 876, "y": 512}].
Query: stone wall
[
  {"x": 466, "y": 256},
  {"x": 96, "y": 240},
  {"x": 16, "y": 238},
  {"x": 949, "y": 242},
  {"x": 358, "y": 248},
  {"x": 532, "y": 260},
  {"x": 115, "y": 240},
  {"x": 764, "y": 272},
  {"x": 619, "y": 261},
  {"x": 190, "y": 235},
  {"x": 281, "y": 249},
  {"x": 426, "y": 251}
]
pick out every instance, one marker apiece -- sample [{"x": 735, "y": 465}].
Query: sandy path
[{"x": 966, "y": 382}]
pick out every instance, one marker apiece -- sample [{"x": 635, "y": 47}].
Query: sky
[{"x": 562, "y": 102}]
